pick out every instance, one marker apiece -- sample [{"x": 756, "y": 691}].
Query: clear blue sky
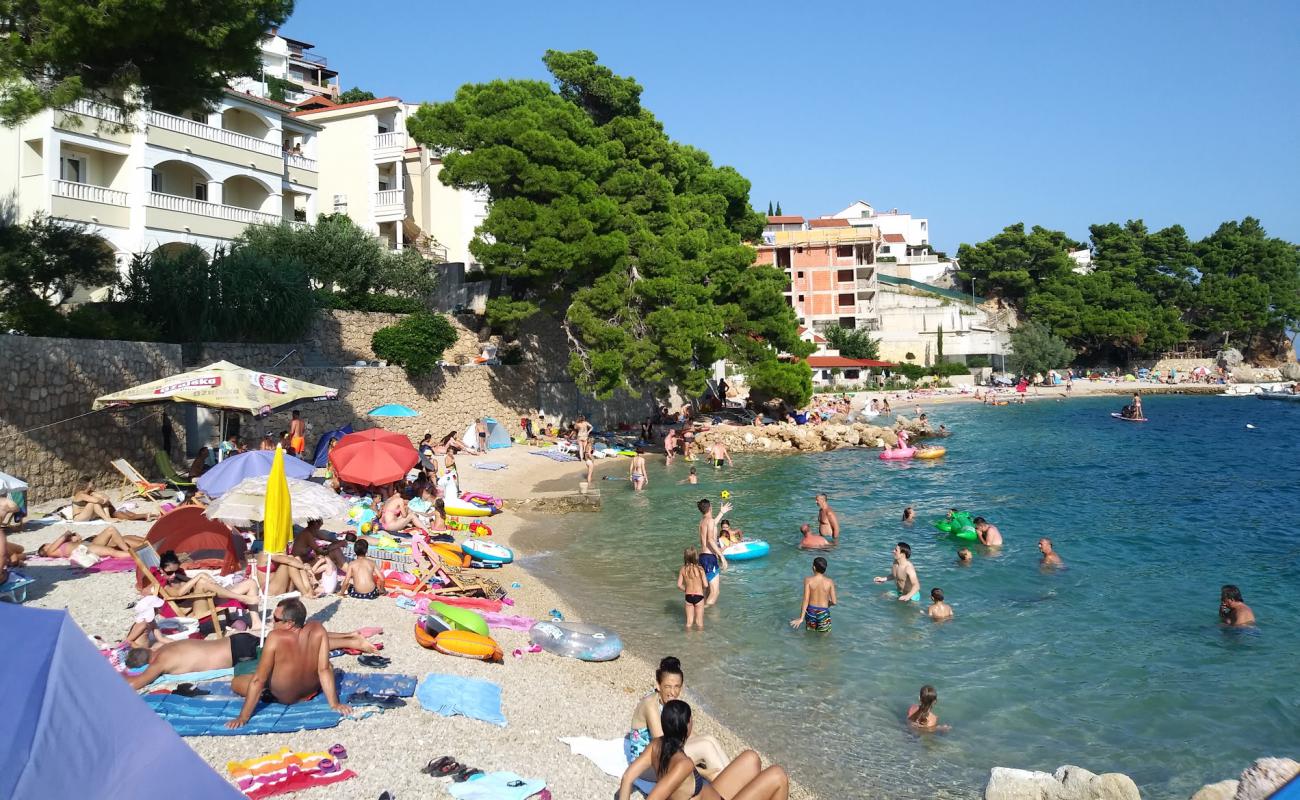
[{"x": 976, "y": 115}]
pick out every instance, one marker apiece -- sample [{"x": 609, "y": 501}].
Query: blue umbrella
[
  {"x": 253, "y": 464},
  {"x": 392, "y": 410}
]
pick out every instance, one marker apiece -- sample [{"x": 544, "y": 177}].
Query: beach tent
[
  {"x": 321, "y": 456},
  {"x": 498, "y": 437},
  {"x": 202, "y": 543},
  {"x": 72, "y": 727}
]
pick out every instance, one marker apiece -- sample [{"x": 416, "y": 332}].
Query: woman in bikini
[
  {"x": 108, "y": 543},
  {"x": 395, "y": 516},
  {"x": 679, "y": 779},
  {"x": 694, "y": 585},
  {"x": 669, "y": 681},
  {"x": 90, "y": 504},
  {"x": 921, "y": 714},
  {"x": 286, "y": 571}
]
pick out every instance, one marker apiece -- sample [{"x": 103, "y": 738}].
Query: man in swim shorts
[
  {"x": 718, "y": 452},
  {"x": 818, "y": 597},
  {"x": 903, "y": 574},
  {"x": 1050, "y": 558},
  {"x": 297, "y": 434},
  {"x": 810, "y": 540},
  {"x": 1232, "y": 609},
  {"x": 711, "y": 558},
  {"x": 989, "y": 535},
  {"x": 827, "y": 523}
]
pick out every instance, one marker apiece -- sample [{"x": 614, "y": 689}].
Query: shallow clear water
[{"x": 1116, "y": 663}]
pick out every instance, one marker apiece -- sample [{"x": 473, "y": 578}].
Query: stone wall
[{"x": 57, "y": 380}]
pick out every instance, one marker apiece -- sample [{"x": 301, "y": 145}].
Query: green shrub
[
  {"x": 788, "y": 381},
  {"x": 977, "y": 362},
  {"x": 946, "y": 368},
  {"x": 381, "y": 303},
  {"x": 911, "y": 371},
  {"x": 416, "y": 343}
]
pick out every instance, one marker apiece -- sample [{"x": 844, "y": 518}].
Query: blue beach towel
[
  {"x": 207, "y": 716},
  {"x": 495, "y": 786},
  {"x": 492, "y": 466},
  {"x": 376, "y": 683},
  {"x": 450, "y": 695}
]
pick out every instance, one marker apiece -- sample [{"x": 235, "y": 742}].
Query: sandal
[
  {"x": 442, "y": 767},
  {"x": 339, "y": 752},
  {"x": 374, "y": 661},
  {"x": 381, "y": 700}
]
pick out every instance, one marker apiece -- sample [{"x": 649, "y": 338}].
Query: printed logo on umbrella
[
  {"x": 270, "y": 383},
  {"x": 205, "y": 382}
]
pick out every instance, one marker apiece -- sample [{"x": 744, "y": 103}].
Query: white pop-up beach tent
[{"x": 497, "y": 437}]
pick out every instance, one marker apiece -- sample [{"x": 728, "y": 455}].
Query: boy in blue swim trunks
[
  {"x": 711, "y": 558},
  {"x": 903, "y": 574},
  {"x": 818, "y": 597}
]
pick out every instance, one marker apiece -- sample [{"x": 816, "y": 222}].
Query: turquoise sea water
[{"x": 1116, "y": 663}]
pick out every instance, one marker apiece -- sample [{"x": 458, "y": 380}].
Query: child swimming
[{"x": 691, "y": 580}]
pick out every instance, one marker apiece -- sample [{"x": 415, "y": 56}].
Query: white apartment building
[
  {"x": 913, "y": 314},
  {"x": 160, "y": 179},
  {"x": 290, "y": 60},
  {"x": 905, "y": 241}
]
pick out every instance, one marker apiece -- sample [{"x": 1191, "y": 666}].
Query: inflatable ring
[
  {"x": 747, "y": 550},
  {"x": 423, "y": 638},
  {"x": 456, "y": 507},
  {"x": 468, "y": 645},
  {"x": 486, "y": 551},
  {"x": 461, "y": 619},
  {"x": 898, "y": 454},
  {"x": 575, "y": 640},
  {"x": 932, "y": 452}
]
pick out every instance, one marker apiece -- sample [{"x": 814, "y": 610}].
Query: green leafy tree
[
  {"x": 1034, "y": 348},
  {"x": 356, "y": 95},
  {"x": 1013, "y": 262},
  {"x": 168, "y": 54},
  {"x": 1249, "y": 287},
  {"x": 938, "y": 346},
  {"x": 416, "y": 343},
  {"x": 787, "y": 381},
  {"x": 634, "y": 241},
  {"x": 41, "y": 262},
  {"x": 852, "y": 342}
]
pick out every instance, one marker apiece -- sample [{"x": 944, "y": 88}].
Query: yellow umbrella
[{"x": 277, "y": 521}]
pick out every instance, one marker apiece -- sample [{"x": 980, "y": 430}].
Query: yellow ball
[{"x": 725, "y": 494}]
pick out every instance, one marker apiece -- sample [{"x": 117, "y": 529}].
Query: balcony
[
  {"x": 868, "y": 285},
  {"x": 199, "y": 130},
  {"x": 202, "y": 208},
  {"x": 89, "y": 192},
  {"x": 389, "y": 202},
  {"x": 90, "y": 108},
  {"x": 301, "y": 162}
]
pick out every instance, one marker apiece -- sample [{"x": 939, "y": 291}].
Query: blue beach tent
[
  {"x": 497, "y": 438},
  {"x": 73, "y": 728},
  {"x": 321, "y": 456}
]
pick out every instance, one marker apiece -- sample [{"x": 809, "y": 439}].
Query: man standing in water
[
  {"x": 1050, "y": 558},
  {"x": 670, "y": 444},
  {"x": 1232, "y": 609},
  {"x": 989, "y": 535},
  {"x": 718, "y": 452},
  {"x": 938, "y": 610},
  {"x": 903, "y": 574},
  {"x": 818, "y": 597},
  {"x": 711, "y": 557},
  {"x": 827, "y": 523}
]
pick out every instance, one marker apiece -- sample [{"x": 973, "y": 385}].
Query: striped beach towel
[{"x": 284, "y": 771}]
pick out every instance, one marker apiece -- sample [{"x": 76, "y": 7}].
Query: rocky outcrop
[
  {"x": 1290, "y": 371},
  {"x": 1067, "y": 783},
  {"x": 786, "y": 437},
  {"x": 1223, "y": 790},
  {"x": 1257, "y": 782},
  {"x": 1229, "y": 358}
]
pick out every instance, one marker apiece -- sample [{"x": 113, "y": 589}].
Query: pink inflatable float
[{"x": 901, "y": 452}]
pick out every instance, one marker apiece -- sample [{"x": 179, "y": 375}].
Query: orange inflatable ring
[
  {"x": 467, "y": 644},
  {"x": 423, "y": 638}
]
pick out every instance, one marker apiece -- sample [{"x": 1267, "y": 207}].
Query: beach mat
[
  {"x": 207, "y": 716},
  {"x": 450, "y": 695},
  {"x": 491, "y": 466},
  {"x": 376, "y": 683},
  {"x": 112, "y": 565},
  {"x": 554, "y": 455}
]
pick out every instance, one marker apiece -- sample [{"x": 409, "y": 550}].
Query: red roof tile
[
  {"x": 815, "y": 337},
  {"x": 788, "y": 219},
  {"x": 831, "y": 362},
  {"x": 345, "y": 105},
  {"x": 828, "y": 223},
  {"x": 894, "y": 237}
]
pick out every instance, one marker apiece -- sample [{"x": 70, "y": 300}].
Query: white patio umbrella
[
  {"x": 9, "y": 483},
  {"x": 246, "y": 502}
]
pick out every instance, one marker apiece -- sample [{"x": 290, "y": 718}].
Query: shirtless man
[
  {"x": 1233, "y": 610},
  {"x": 903, "y": 574},
  {"x": 989, "y": 535},
  {"x": 670, "y": 446},
  {"x": 396, "y": 517},
  {"x": 711, "y": 557},
  {"x": 827, "y": 523},
  {"x": 938, "y": 610},
  {"x": 636, "y": 471},
  {"x": 583, "y": 428},
  {"x": 909, "y": 515},
  {"x": 297, "y": 434},
  {"x": 1050, "y": 558},
  {"x": 818, "y": 597},
  {"x": 480, "y": 435},
  {"x": 718, "y": 452},
  {"x": 294, "y": 665},
  {"x": 812, "y": 541}
]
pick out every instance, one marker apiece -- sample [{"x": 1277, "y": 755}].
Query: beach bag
[{"x": 82, "y": 557}]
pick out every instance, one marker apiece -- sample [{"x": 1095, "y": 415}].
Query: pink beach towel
[
  {"x": 113, "y": 565},
  {"x": 508, "y": 621}
]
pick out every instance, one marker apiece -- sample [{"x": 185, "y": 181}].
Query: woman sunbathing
[
  {"x": 90, "y": 504},
  {"x": 108, "y": 543},
  {"x": 286, "y": 571},
  {"x": 176, "y": 583}
]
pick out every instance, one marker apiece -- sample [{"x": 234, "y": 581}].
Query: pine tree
[
  {"x": 769, "y": 208},
  {"x": 778, "y": 208}
]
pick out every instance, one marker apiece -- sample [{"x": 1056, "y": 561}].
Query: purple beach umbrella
[{"x": 253, "y": 464}]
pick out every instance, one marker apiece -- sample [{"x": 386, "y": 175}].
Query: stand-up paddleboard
[{"x": 1120, "y": 416}]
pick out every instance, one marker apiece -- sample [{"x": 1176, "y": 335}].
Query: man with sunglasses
[{"x": 294, "y": 665}]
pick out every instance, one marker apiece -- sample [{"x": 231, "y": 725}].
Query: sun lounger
[
  {"x": 170, "y": 475},
  {"x": 140, "y": 487},
  {"x": 204, "y": 605}
]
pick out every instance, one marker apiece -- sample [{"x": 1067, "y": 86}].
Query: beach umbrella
[
  {"x": 373, "y": 457},
  {"x": 277, "y": 522},
  {"x": 9, "y": 483},
  {"x": 247, "y": 502},
  {"x": 255, "y": 463},
  {"x": 392, "y": 410}
]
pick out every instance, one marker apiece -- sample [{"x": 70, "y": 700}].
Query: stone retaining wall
[{"x": 58, "y": 379}]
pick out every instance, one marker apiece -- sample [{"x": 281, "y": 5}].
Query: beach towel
[
  {"x": 347, "y": 683},
  {"x": 207, "y": 716},
  {"x": 508, "y": 621},
  {"x": 164, "y": 681},
  {"x": 450, "y": 695},
  {"x": 607, "y": 754},
  {"x": 283, "y": 771},
  {"x": 554, "y": 455},
  {"x": 491, "y": 466},
  {"x": 112, "y": 565},
  {"x": 496, "y": 786}
]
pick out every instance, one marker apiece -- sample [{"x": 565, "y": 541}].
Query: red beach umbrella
[{"x": 373, "y": 457}]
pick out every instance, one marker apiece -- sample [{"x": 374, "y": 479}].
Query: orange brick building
[{"x": 832, "y": 270}]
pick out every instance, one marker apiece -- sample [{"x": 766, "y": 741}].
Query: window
[
  {"x": 844, "y": 275},
  {"x": 848, "y": 323},
  {"x": 844, "y": 251},
  {"x": 155, "y": 181},
  {"x": 73, "y": 168},
  {"x": 800, "y": 298},
  {"x": 845, "y": 299},
  {"x": 798, "y": 249},
  {"x": 851, "y": 374},
  {"x": 884, "y": 248},
  {"x": 783, "y": 257},
  {"x": 922, "y": 226},
  {"x": 200, "y": 191},
  {"x": 199, "y": 116},
  {"x": 799, "y": 274}
]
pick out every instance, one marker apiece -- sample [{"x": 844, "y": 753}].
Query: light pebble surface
[{"x": 543, "y": 696}]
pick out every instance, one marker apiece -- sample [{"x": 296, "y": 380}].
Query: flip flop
[
  {"x": 338, "y": 751},
  {"x": 517, "y": 653},
  {"x": 466, "y": 774},
  {"x": 325, "y": 766},
  {"x": 442, "y": 767},
  {"x": 534, "y": 648},
  {"x": 373, "y": 661},
  {"x": 190, "y": 690}
]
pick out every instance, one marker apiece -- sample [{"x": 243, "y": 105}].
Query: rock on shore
[
  {"x": 1067, "y": 783},
  {"x": 785, "y": 437},
  {"x": 1258, "y": 781}
]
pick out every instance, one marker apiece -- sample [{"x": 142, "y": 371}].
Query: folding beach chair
[
  {"x": 204, "y": 603},
  {"x": 170, "y": 475},
  {"x": 430, "y": 564},
  {"x": 139, "y": 486}
]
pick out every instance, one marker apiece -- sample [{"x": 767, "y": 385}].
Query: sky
[{"x": 973, "y": 115}]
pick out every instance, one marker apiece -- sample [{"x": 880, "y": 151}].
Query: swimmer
[
  {"x": 1232, "y": 609},
  {"x": 922, "y": 714},
  {"x": 711, "y": 557},
  {"x": 989, "y": 535},
  {"x": 727, "y": 535},
  {"x": 636, "y": 471},
  {"x": 909, "y": 515},
  {"x": 938, "y": 610},
  {"x": 692, "y": 478},
  {"x": 965, "y": 557},
  {"x": 694, "y": 586},
  {"x": 818, "y": 597},
  {"x": 718, "y": 452},
  {"x": 903, "y": 574},
  {"x": 827, "y": 523},
  {"x": 1050, "y": 558},
  {"x": 810, "y": 540}
]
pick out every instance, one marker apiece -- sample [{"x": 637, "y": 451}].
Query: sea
[{"x": 1116, "y": 663}]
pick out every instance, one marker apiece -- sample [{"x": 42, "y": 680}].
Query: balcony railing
[
  {"x": 92, "y": 109},
  {"x": 90, "y": 192},
  {"x": 202, "y": 208},
  {"x": 301, "y": 162},
  {"x": 387, "y": 141},
  {"x": 197, "y": 129},
  {"x": 389, "y": 197}
]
